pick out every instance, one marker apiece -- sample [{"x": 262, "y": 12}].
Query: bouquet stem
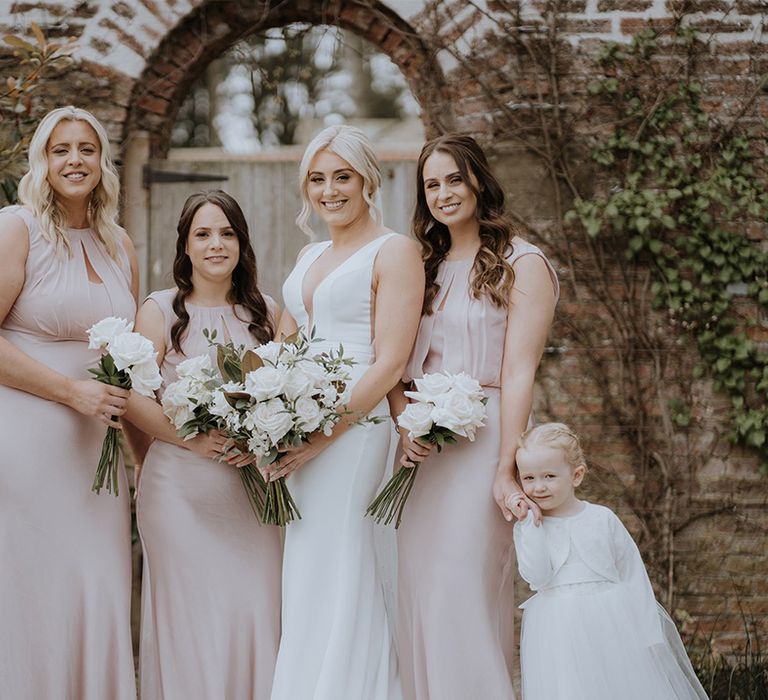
[
  {"x": 108, "y": 470},
  {"x": 279, "y": 507},
  {"x": 389, "y": 504},
  {"x": 255, "y": 487}
]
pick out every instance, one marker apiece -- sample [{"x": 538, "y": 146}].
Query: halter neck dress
[
  {"x": 210, "y": 618},
  {"x": 455, "y": 553},
  {"x": 65, "y": 576}
]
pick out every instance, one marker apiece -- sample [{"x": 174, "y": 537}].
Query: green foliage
[
  {"x": 20, "y": 94},
  {"x": 683, "y": 190},
  {"x": 742, "y": 675}
]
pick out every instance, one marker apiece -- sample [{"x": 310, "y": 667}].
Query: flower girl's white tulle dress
[{"x": 594, "y": 630}]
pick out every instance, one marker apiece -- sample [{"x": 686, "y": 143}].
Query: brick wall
[{"x": 137, "y": 58}]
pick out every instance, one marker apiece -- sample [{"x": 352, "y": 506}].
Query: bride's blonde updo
[{"x": 351, "y": 144}]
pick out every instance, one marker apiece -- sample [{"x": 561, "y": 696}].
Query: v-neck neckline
[{"x": 310, "y": 315}]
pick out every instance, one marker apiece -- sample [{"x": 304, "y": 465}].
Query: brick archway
[{"x": 214, "y": 26}]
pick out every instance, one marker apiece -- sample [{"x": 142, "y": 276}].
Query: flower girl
[{"x": 594, "y": 630}]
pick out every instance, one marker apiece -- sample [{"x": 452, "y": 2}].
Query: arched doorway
[{"x": 204, "y": 34}]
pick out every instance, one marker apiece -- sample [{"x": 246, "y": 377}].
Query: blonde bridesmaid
[
  {"x": 489, "y": 302},
  {"x": 211, "y": 585},
  {"x": 65, "y": 577}
]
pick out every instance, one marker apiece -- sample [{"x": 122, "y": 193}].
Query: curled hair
[
  {"x": 351, "y": 144},
  {"x": 244, "y": 290},
  {"x": 36, "y": 192},
  {"x": 492, "y": 276},
  {"x": 558, "y": 436}
]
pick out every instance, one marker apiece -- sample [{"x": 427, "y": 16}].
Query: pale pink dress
[
  {"x": 211, "y": 581},
  {"x": 65, "y": 552},
  {"x": 455, "y": 551}
]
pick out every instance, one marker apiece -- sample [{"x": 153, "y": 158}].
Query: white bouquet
[
  {"x": 196, "y": 403},
  {"x": 285, "y": 394},
  {"x": 128, "y": 361},
  {"x": 265, "y": 399},
  {"x": 444, "y": 407}
]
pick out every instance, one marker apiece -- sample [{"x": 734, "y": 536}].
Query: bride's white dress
[{"x": 336, "y": 643}]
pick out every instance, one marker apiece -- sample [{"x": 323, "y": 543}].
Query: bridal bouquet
[
  {"x": 128, "y": 361},
  {"x": 445, "y": 407},
  {"x": 266, "y": 399},
  {"x": 197, "y": 402}
]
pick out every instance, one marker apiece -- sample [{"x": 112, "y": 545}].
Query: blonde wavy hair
[
  {"x": 351, "y": 144},
  {"x": 558, "y": 436},
  {"x": 36, "y": 192}
]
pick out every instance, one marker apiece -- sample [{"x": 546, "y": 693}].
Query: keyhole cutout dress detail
[
  {"x": 336, "y": 642},
  {"x": 65, "y": 577}
]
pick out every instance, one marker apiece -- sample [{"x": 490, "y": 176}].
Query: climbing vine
[
  {"x": 682, "y": 190},
  {"x": 21, "y": 98},
  {"x": 651, "y": 197}
]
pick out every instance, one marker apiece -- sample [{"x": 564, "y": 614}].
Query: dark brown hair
[
  {"x": 492, "y": 275},
  {"x": 244, "y": 290}
]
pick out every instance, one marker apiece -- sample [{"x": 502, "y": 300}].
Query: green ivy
[
  {"x": 22, "y": 99},
  {"x": 684, "y": 189}
]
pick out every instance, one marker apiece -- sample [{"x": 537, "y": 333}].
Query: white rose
[
  {"x": 273, "y": 418},
  {"x": 265, "y": 383},
  {"x": 308, "y": 414},
  {"x": 269, "y": 352},
  {"x": 131, "y": 349},
  {"x": 469, "y": 386},
  {"x": 297, "y": 383},
  {"x": 194, "y": 366},
  {"x": 219, "y": 406},
  {"x": 459, "y": 414},
  {"x": 145, "y": 377},
  {"x": 477, "y": 420},
  {"x": 105, "y": 331},
  {"x": 315, "y": 371},
  {"x": 175, "y": 394},
  {"x": 416, "y": 419},
  {"x": 176, "y": 403},
  {"x": 434, "y": 384}
]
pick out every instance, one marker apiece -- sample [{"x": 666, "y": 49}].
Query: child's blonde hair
[{"x": 558, "y": 436}]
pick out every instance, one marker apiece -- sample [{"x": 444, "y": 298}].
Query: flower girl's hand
[
  {"x": 295, "y": 457},
  {"x": 102, "y": 401},
  {"x": 413, "y": 450},
  {"x": 511, "y": 500},
  {"x": 521, "y": 505}
]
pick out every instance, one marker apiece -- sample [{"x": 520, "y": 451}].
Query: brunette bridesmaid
[
  {"x": 489, "y": 303},
  {"x": 211, "y": 587},
  {"x": 65, "y": 577}
]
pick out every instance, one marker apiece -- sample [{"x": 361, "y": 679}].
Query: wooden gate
[{"x": 266, "y": 188}]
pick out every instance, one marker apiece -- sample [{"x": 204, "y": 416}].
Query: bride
[{"x": 364, "y": 289}]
